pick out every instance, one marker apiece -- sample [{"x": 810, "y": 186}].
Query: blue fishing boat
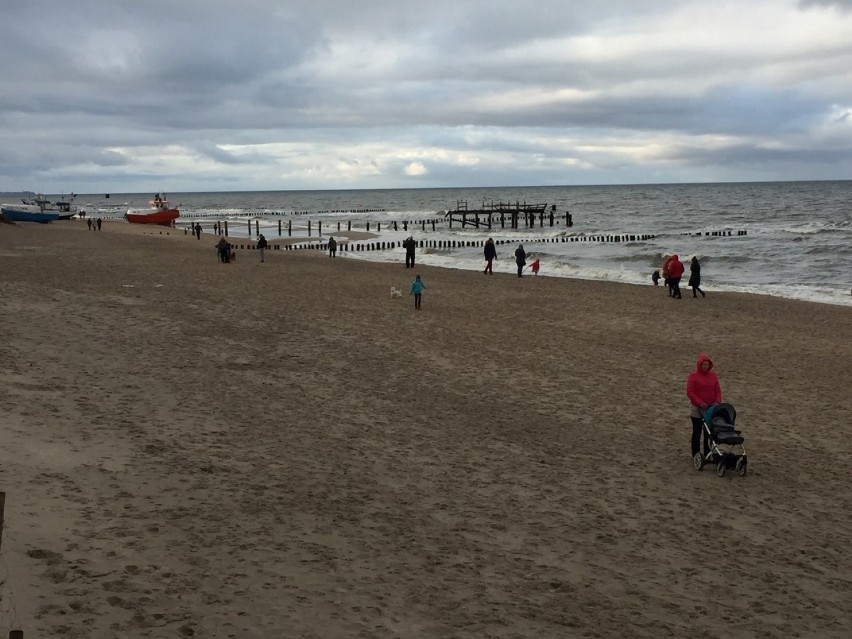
[
  {"x": 40, "y": 209},
  {"x": 28, "y": 213}
]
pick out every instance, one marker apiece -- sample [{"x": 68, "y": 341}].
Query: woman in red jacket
[
  {"x": 676, "y": 269},
  {"x": 702, "y": 389}
]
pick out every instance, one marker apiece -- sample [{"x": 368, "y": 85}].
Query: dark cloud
[{"x": 347, "y": 94}]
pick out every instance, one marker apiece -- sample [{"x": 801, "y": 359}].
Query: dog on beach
[{"x": 395, "y": 292}]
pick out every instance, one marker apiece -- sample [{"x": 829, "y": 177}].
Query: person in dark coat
[
  {"x": 409, "y": 245},
  {"x": 490, "y": 255},
  {"x": 224, "y": 248},
  {"x": 695, "y": 277},
  {"x": 332, "y": 247},
  {"x": 520, "y": 259},
  {"x": 262, "y": 245},
  {"x": 197, "y": 230}
]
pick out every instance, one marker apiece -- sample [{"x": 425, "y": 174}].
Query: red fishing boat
[{"x": 159, "y": 213}]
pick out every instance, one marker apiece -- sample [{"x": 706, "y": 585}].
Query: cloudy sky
[{"x": 219, "y": 95}]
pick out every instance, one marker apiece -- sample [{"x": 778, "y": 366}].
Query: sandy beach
[{"x": 195, "y": 449}]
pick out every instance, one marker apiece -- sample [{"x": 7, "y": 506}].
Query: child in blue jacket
[{"x": 417, "y": 287}]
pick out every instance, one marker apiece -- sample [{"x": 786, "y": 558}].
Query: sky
[{"x": 207, "y": 95}]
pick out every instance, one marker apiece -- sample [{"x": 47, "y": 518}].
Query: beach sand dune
[{"x": 282, "y": 450}]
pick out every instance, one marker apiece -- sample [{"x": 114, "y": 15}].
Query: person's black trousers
[{"x": 697, "y": 428}]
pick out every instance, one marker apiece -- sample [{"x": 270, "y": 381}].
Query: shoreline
[{"x": 355, "y": 237}]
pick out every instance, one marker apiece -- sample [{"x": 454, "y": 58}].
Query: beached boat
[
  {"x": 28, "y": 213},
  {"x": 40, "y": 209},
  {"x": 159, "y": 213}
]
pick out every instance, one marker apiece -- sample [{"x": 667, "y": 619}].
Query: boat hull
[
  {"x": 21, "y": 214},
  {"x": 164, "y": 218}
]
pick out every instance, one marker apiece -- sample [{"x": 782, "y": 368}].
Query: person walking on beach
[
  {"x": 417, "y": 287},
  {"x": 197, "y": 230},
  {"x": 520, "y": 259},
  {"x": 332, "y": 247},
  {"x": 490, "y": 255},
  {"x": 89, "y": 223},
  {"x": 703, "y": 390},
  {"x": 99, "y": 221},
  {"x": 675, "y": 273},
  {"x": 261, "y": 246},
  {"x": 666, "y": 280},
  {"x": 224, "y": 249},
  {"x": 695, "y": 276},
  {"x": 409, "y": 245}
]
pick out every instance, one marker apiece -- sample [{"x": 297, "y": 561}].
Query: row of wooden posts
[
  {"x": 221, "y": 228},
  {"x": 451, "y": 244}
]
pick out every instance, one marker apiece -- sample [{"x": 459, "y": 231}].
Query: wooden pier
[{"x": 492, "y": 212}]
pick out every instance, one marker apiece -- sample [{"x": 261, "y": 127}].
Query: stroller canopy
[{"x": 722, "y": 412}]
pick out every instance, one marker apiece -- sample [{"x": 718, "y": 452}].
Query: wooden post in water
[
  {"x": 289, "y": 228},
  {"x": 349, "y": 225},
  {"x": 309, "y": 228},
  {"x": 433, "y": 226},
  {"x": 319, "y": 228},
  {"x": 279, "y": 228},
  {"x": 249, "y": 228},
  {"x": 423, "y": 226},
  {"x": 257, "y": 227},
  {"x": 226, "y": 228}
]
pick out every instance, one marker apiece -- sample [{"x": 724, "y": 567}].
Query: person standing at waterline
[
  {"x": 520, "y": 259},
  {"x": 261, "y": 246},
  {"x": 409, "y": 245},
  {"x": 490, "y": 252},
  {"x": 675, "y": 273},
  {"x": 695, "y": 276}
]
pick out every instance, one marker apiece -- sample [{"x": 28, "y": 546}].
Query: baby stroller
[{"x": 724, "y": 442}]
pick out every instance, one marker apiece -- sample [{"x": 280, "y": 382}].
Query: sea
[{"x": 785, "y": 239}]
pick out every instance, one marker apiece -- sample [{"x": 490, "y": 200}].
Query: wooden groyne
[{"x": 346, "y": 246}]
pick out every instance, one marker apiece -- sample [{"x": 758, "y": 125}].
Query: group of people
[
  {"x": 94, "y": 225},
  {"x": 672, "y": 272},
  {"x": 490, "y": 252}
]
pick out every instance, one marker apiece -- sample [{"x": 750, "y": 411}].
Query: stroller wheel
[
  {"x": 720, "y": 469},
  {"x": 698, "y": 461},
  {"x": 742, "y": 467}
]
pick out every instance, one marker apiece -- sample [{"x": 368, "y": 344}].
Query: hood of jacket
[{"x": 702, "y": 357}]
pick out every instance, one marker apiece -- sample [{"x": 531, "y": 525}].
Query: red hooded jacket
[
  {"x": 675, "y": 267},
  {"x": 702, "y": 387}
]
